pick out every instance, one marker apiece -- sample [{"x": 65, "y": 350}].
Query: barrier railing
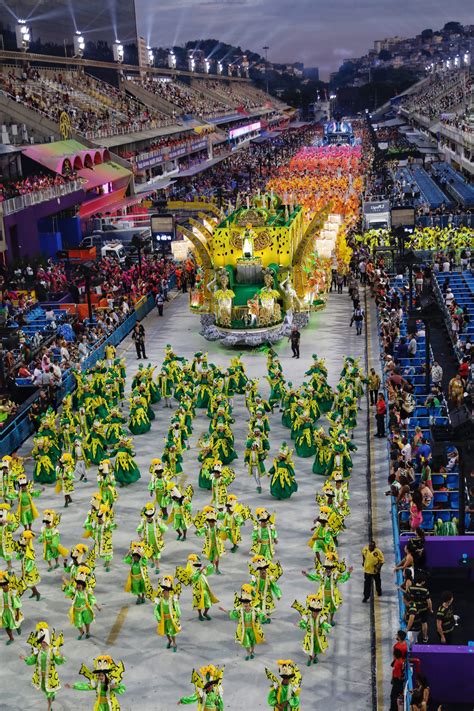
[
  {"x": 21, "y": 427},
  {"x": 35, "y": 198}
]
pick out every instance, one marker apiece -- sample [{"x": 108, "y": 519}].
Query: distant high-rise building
[
  {"x": 311, "y": 73},
  {"x": 56, "y": 21}
]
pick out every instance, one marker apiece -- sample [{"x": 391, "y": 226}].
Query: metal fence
[{"x": 35, "y": 198}]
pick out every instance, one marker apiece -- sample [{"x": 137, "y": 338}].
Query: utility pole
[{"x": 265, "y": 49}]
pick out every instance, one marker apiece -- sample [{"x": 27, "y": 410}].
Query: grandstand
[{"x": 454, "y": 183}]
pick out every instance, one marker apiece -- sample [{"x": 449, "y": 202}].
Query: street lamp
[
  {"x": 265, "y": 49},
  {"x": 23, "y": 35},
  {"x": 79, "y": 44}
]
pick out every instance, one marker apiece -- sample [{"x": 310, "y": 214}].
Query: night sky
[{"x": 311, "y": 31}]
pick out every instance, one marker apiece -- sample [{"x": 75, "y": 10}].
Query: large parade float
[{"x": 266, "y": 265}]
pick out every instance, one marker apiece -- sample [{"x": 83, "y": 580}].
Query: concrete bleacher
[
  {"x": 433, "y": 195},
  {"x": 455, "y": 184}
]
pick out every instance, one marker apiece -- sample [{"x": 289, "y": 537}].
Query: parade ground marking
[
  {"x": 116, "y": 627},
  {"x": 373, "y": 486}
]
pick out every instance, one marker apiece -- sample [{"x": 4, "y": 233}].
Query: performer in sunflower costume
[
  {"x": 81, "y": 612},
  {"x": 151, "y": 531},
  {"x": 204, "y": 392},
  {"x": 233, "y": 517},
  {"x": 259, "y": 419},
  {"x": 126, "y": 470},
  {"x": 167, "y": 610},
  {"x": 257, "y": 447},
  {"x": 327, "y": 499},
  {"x": 222, "y": 441},
  {"x": 206, "y": 523},
  {"x": 339, "y": 457},
  {"x": 96, "y": 501},
  {"x": 208, "y": 689},
  {"x": 330, "y": 574},
  {"x": 288, "y": 402},
  {"x": 322, "y": 540},
  {"x": 10, "y": 605},
  {"x": 321, "y": 442},
  {"x": 101, "y": 528},
  {"x": 106, "y": 484},
  {"x": 160, "y": 477},
  {"x": 195, "y": 574},
  {"x": 138, "y": 582},
  {"x": 25, "y": 553},
  {"x": 65, "y": 477},
  {"x": 341, "y": 493},
  {"x": 26, "y": 511},
  {"x": 277, "y": 388},
  {"x": 282, "y": 473},
  {"x": 285, "y": 694},
  {"x": 45, "y": 656},
  {"x": 48, "y": 430},
  {"x": 95, "y": 444},
  {"x": 305, "y": 444},
  {"x": 249, "y": 632},
  {"x": 8, "y": 524},
  {"x": 139, "y": 419},
  {"x": 181, "y": 509},
  {"x": 105, "y": 681},
  {"x": 264, "y": 535},
  {"x": 314, "y": 621},
  {"x": 44, "y": 472},
  {"x": 264, "y": 583},
  {"x": 51, "y": 539}
]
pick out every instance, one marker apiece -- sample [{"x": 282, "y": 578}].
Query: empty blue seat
[
  {"x": 452, "y": 481},
  {"x": 437, "y": 479},
  {"x": 428, "y": 521},
  {"x": 444, "y": 516},
  {"x": 454, "y": 500},
  {"x": 441, "y": 498}
]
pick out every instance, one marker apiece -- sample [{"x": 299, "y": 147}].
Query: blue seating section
[
  {"x": 462, "y": 285},
  {"x": 432, "y": 194},
  {"x": 455, "y": 183}
]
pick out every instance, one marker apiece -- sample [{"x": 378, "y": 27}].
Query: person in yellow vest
[{"x": 372, "y": 560}]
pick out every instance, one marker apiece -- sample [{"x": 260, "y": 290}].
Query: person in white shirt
[
  {"x": 436, "y": 374},
  {"x": 449, "y": 298},
  {"x": 412, "y": 347}
]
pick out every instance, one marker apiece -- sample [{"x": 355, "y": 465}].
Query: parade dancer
[
  {"x": 322, "y": 539},
  {"x": 221, "y": 478},
  {"x": 80, "y": 470},
  {"x": 282, "y": 473},
  {"x": 101, "y": 528},
  {"x": 181, "y": 510},
  {"x": 151, "y": 531},
  {"x": 256, "y": 451},
  {"x": 168, "y": 611},
  {"x": 138, "y": 582},
  {"x": 8, "y": 524},
  {"x": 10, "y": 605},
  {"x": 65, "y": 477},
  {"x": 330, "y": 574},
  {"x": 249, "y": 632},
  {"x": 126, "y": 470},
  {"x": 264, "y": 583},
  {"x": 25, "y": 553},
  {"x": 264, "y": 535},
  {"x": 105, "y": 681},
  {"x": 81, "y": 612},
  {"x": 285, "y": 694},
  {"x": 160, "y": 477},
  {"x": 208, "y": 689},
  {"x": 314, "y": 621},
  {"x": 45, "y": 656},
  {"x": 233, "y": 517},
  {"x": 26, "y": 511},
  {"x": 207, "y": 525},
  {"x": 195, "y": 574},
  {"x": 51, "y": 539}
]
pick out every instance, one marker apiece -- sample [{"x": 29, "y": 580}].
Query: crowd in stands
[
  {"x": 188, "y": 100},
  {"x": 463, "y": 122},
  {"x": 161, "y": 145},
  {"x": 440, "y": 93},
  {"x": 94, "y": 108},
  {"x": 31, "y": 184}
]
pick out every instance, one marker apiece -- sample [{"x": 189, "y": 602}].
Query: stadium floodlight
[
  {"x": 448, "y": 64},
  {"x": 23, "y": 35},
  {"x": 467, "y": 58},
  {"x": 191, "y": 64},
  {"x": 229, "y": 70},
  {"x": 79, "y": 44},
  {"x": 171, "y": 59},
  {"x": 151, "y": 56},
  {"x": 238, "y": 70},
  {"x": 118, "y": 53},
  {"x": 207, "y": 66},
  {"x": 219, "y": 67},
  {"x": 457, "y": 61}
]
